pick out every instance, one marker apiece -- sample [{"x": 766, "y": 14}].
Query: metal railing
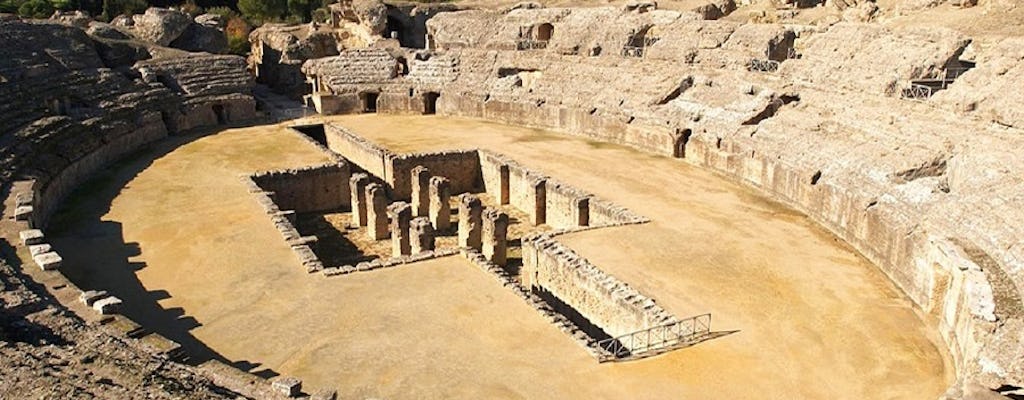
[
  {"x": 638, "y": 47},
  {"x": 918, "y": 91},
  {"x": 926, "y": 87},
  {"x": 763, "y": 65},
  {"x": 530, "y": 44},
  {"x": 651, "y": 341}
]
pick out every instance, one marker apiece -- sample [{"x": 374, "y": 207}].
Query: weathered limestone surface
[
  {"x": 400, "y": 214},
  {"x": 440, "y": 210},
  {"x": 607, "y": 302},
  {"x": 314, "y": 188},
  {"x": 495, "y": 232},
  {"x": 358, "y": 184},
  {"x": 420, "y": 191},
  {"x": 926, "y": 189},
  {"x": 278, "y": 52},
  {"x": 470, "y": 223},
  {"x": 421, "y": 234},
  {"x": 376, "y": 212}
]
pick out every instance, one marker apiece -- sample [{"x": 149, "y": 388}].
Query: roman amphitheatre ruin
[{"x": 487, "y": 199}]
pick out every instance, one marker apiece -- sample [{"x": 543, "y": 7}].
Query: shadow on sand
[{"x": 96, "y": 256}]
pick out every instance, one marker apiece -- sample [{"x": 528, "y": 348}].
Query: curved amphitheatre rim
[
  {"x": 194, "y": 135},
  {"x": 954, "y": 352}
]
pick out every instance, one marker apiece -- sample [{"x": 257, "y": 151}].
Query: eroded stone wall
[
  {"x": 604, "y": 300},
  {"x": 316, "y": 188}
]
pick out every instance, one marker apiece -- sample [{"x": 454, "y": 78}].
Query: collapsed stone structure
[
  {"x": 778, "y": 114},
  {"x": 279, "y": 51}
]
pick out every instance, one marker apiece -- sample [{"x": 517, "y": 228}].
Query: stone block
[
  {"x": 357, "y": 184},
  {"x": 400, "y": 214},
  {"x": 420, "y": 191},
  {"x": 495, "y": 230},
  {"x": 107, "y": 305},
  {"x": 48, "y": 261},
  {"x": 31, "y": 236},
  {"x": 440, "y": 209},
  {"x": 376, "y": 212},
  {"x": 288, "y": 386},
  {"x": 470, "y": 209},
  {"x": 38, "y": 249},
  {"x": 23, "y": 213},
  {"x": 89, "y": 297},
  {"x": 421, "y": 234}
]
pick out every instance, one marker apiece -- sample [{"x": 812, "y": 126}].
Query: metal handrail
[
  {"x": 659, "y": 337},
  {"x": 763, "y": 65},
  {"x": 530, "y": 44}
]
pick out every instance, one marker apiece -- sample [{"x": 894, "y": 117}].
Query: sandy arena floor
[{"x": 175, "y": 233}]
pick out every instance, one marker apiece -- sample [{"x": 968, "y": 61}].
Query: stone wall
[
  {"x": 461, "y": 167},
  {"x": 604, "y": 300},
  {"x": 358, "y": 151},
  {"x": 314, "y": 188},
  {"x": 284, "y": 221},
  {"x": 49, "y": 194},
  {"x": 927, "y": 190}
]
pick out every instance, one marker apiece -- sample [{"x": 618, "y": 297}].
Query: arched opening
[
  {"x": 681, "y": 141},
  {"x": 369, "y": 101},
  {"x": 218, "y": 110},
  {"x": 544, "y": 32},
  {"x": 430, "y": 103}
]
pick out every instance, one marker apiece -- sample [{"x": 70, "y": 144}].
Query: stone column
[
  {"x": 440, "y": 210},
  {"x": 470, "y": 208},
  {"x": 421, "y": 233},
  {"x": 376, "y": 212},
  {"x": 400, "y": 214},
  {"x": 420, "y": 191},
  {"x": 495, "y": 232},
  {"x": 357, "y": 184}
]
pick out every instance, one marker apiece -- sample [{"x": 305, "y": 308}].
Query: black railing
[{"x": 653, "y": 340}]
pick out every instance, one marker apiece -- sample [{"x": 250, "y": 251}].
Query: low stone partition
[
  {"x": 461, "y": 167},
  {"x": 357, "y": 150},
  {"x": 546, "y": 200},
  {"x": 605, "y": 301},
  {"x": 314, "y": 188},
  {"x": 284, "y": 221}
]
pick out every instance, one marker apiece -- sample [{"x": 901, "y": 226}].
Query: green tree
[
  {"x": 263, "y": 10},
  {"x": 113, "y": 8},
  {"x": 300, "y": 9},
  {"x": 36, "y": 9},
  {"x": 65, "y": 5}
]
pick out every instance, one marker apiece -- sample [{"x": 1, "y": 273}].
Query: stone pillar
[
  {"x": 470, "y": 208},
  {"x": 421, "y": 233},
  {"x": 440, "y": 210},
  {"x": 357, "y": 184},
  {"x": 400, "y": 214},
  {"x": 495, "y": 232},
  {"x": 503, "y": 185},
  {"x": 376, "y": 212},
  {"x": 420, "y": 191}
]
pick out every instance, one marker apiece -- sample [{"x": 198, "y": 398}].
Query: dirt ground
[{"x": 175, "y": 233}]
